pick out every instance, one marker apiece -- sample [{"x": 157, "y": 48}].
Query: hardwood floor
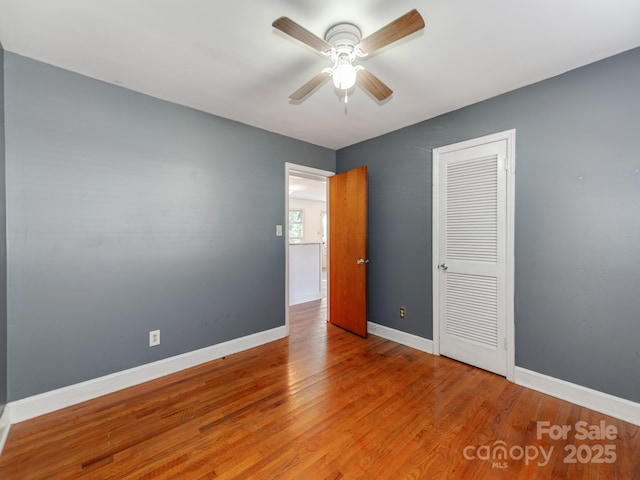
[{"x": 322, "y": 404}]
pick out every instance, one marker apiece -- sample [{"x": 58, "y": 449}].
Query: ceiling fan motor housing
[{"x": 344, "y": 37}]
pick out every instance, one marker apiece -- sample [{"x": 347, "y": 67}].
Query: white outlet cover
[{"x": 154, "y": 338}]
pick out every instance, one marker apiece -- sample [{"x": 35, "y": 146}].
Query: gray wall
[
  {"x": 577, "y": 221},
  {"x": 3, "y": 249},
  {"x": 128, "y": 214}
]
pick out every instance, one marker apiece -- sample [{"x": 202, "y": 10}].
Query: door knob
[
  {"x": 443, "y": 266},
  {"x": 361, "y": 261}
]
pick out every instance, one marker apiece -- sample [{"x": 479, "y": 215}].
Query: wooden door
[
  {"x": 472, "y": 255},
  {"x": 348, "y": 250}
]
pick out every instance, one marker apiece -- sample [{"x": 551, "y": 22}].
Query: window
[{"x": 296, "y": 228}]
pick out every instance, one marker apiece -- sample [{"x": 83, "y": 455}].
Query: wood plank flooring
[{"x": 321, "y": 404}]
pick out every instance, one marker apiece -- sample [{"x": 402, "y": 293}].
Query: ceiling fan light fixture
[
  {"x": 343, "y": 44},
  {"x": 344, "y": 76}
]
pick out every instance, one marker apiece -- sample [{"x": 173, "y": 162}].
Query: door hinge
[{"x": 506, "y": 344}]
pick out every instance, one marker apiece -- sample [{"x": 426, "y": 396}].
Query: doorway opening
[{"x": 306, "y": 236}]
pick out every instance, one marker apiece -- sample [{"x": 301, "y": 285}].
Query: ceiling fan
[{"x": 343, "y": 44}]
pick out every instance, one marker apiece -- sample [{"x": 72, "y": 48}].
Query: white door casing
[{"x": 473, "y": 184}]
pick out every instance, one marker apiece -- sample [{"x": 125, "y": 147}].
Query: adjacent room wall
[
  {"x": 312, "y": 222},
  {"x": 128, "y": 214},
  {"x": 3, "y": 249},
  {"x": 577, "y": 238}
]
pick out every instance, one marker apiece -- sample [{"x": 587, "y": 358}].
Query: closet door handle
[{"x": 443, "y": 266}]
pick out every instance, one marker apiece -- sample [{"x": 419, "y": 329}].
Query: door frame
[
  {"x": 288, "y": 169},
  {"x": 510, "y": 137}
]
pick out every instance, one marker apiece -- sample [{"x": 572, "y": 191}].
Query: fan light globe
[{"x": 344, "y": 76}]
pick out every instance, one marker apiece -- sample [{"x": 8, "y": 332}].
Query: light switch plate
[{"x": 279, "y": 230}]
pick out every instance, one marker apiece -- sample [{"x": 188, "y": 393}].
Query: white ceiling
[
  {"x": 226, "y": 59},
  {"x": 307, "y": 187}
]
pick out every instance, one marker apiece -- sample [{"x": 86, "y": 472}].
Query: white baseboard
[
  {"x": 48, "y": 402},
  {"x": 585, "y": 397},
  {"x": 408, "y": 339},
  {"x": 5, "y": 426}
]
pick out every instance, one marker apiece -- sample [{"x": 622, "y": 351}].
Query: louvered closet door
[{"x": 472, "y": 250}]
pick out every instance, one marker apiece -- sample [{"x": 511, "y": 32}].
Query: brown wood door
[{"x": 348, "y": 250}]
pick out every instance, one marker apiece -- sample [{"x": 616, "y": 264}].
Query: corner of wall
[{"x": 3, "y": 249}]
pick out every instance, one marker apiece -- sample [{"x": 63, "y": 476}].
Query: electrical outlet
[
  {"x": 403, "y": 312},
  {"x": 154, "y": 338}
]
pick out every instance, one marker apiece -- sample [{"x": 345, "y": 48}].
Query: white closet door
[{"x": 472, "y": 255}]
